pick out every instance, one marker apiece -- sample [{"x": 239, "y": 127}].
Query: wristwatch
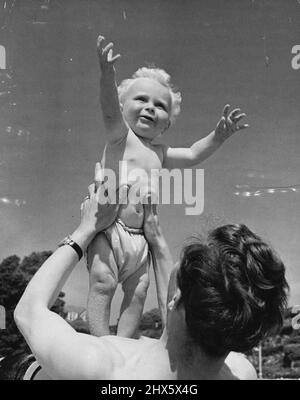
[{"x": 70, "y": 242}]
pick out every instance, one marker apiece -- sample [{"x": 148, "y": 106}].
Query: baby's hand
[
  {"x": 228, "y": 124},
  {"x": 105, "y": 54}
]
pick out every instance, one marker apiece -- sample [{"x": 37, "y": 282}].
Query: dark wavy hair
[{"x": 233, "y": 289}]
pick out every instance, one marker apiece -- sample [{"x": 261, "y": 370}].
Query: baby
[{"x": 135, "y": 113}]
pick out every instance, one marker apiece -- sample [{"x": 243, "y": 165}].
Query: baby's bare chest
[{"x": 133, "y": 154}]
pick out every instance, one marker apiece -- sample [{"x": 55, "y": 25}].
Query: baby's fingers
[
  {"x": 238, "y": 117},
  {"x": 99, "y": 41},
  {"x": 244, "y": 126},
  {"x": 107, "y": 48},
  {"x": 99, "y": 47},
  {"x": 226, "y": 110},
  {"x": 111, "y": 58},
  {"x": 233, "y": 113},
  {"x": 221, "y": 124}
]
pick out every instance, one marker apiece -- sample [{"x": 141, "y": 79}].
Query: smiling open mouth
[{"x": 147, "y": 117}]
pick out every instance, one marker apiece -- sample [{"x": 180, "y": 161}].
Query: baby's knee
[
  {"x": 144, "y": 280},
  {"x": 142, "y": 287},
  {"x": 103, "y": 284}
]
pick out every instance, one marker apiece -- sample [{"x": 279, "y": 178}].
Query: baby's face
[{"x": 147, "y": 107}]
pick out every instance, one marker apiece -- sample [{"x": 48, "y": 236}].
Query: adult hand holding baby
[{"x": 96, "y": 214}]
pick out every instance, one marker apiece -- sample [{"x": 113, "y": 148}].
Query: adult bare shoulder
[{"x": 240, "y": 366}]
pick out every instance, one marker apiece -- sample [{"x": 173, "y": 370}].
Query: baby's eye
[
  {"x": 141, "y": 98},
  {"x": 161, "y": 105}
]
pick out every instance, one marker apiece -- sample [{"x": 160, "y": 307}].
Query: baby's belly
[{"x": 132, "y": 213}]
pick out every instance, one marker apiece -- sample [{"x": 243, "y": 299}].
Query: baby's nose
[{"x": 150, "y": 107}]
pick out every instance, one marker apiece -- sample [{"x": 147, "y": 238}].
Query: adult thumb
[{"x": 98, "y": 175}]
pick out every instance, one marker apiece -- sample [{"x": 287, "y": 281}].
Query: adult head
[{"x": 232, "y": 289}]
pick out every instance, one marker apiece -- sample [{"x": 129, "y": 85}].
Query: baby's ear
[
  {"x": 166, "y": 128},
  {"x": 121, "y": 107}
]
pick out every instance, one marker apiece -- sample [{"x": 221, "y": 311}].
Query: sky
[{"x": 217, "y": 52}]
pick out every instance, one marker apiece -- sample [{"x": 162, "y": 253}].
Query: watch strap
[{"x": 70, "y": 242}]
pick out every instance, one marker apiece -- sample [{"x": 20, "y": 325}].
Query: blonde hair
[{"x": 160, "y": 76}]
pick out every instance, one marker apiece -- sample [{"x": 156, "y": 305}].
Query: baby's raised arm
[
  {"x": 109, "y": 100},
  {"x": 205, "y": 147}
]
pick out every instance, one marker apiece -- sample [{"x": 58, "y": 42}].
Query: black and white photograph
[{"x": 149, "y": 192}]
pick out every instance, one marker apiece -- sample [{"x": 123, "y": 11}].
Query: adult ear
[
  {"x": 175, "y": 300},
  {"x": 177, "y": 296}
]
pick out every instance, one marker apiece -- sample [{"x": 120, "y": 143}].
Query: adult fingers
[
  {"x": 99, "y": 175},
  {"x": 135, "y": 181},
  {"x": 148, "y": 201},
  {"x": 154, "y": 209},
  {"x": 153, "y": 201},
  {"x": 92, "y": 190},
  {"x": 150, "y": 219},
  {"x": 123, "y": 193},
  {"x": 148, "y": 210},
  {"x": 82, "y": 206},
  {"x": 147, "y": 204},
  {"x": 102, "y": 195}
]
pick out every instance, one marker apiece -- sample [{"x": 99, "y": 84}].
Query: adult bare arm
[
  {"x": 62, "y": 351},
  {"x": 161, "y": 256}
]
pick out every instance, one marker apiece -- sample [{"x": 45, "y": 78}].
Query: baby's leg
[
  {"x": 103, "y": 283},
  {"x": 135, "y": 289}
]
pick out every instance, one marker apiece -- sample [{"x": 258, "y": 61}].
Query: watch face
[{"x": 66, "y": 240}]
